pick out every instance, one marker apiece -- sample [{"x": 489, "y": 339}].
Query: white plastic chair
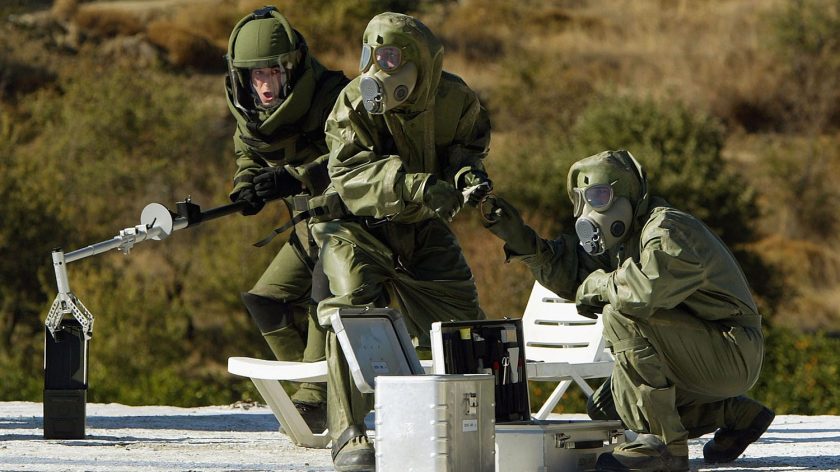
[
  {"x": 267, "y": 375},
  {"x": 561, "y": 345}
]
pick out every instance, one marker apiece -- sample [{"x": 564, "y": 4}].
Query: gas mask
[
  {"x": 602, "y": 219},
  {"x": 387, "y": 79}
]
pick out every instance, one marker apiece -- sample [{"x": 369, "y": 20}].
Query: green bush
[{"x": 800, "y": 373}]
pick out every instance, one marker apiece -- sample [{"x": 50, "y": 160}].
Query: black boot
[
  {"x": 314, "y": 415},
  {"x": 353, "y": 452},
  {"x": 729, "y": 444}
]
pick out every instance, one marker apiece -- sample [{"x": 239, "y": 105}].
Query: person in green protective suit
[
  {"x": 407, "y": 141},
  {"x": 280, "y": 96},
  {"x": 679, "y": 318}
]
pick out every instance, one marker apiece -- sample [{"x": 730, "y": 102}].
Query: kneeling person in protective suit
[
  {"x": 406, "y": 142},
  {"x": 280, "y": 96},
  {"x": 678, "y": 315}
]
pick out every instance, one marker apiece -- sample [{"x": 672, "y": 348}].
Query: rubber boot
[
  {"x": 751, "y": 420},
  {"x": 275, "y": 320},
  {"x": 353, "y": 452}
]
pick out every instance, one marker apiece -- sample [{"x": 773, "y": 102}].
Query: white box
[
  {"x": 435, "y": 423},
  {"x": 555, "y": 446}
]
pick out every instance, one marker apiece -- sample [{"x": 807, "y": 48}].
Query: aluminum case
[
  {"x": 435, "y": 423},
  {"x": 555, "y": 445}
]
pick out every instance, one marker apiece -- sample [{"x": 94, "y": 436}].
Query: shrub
[
  {"x": 805, "y": 34},
  {"x": 799, "y": 373}
]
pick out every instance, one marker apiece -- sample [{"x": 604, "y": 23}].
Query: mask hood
[{"x": 419, "y": 47}]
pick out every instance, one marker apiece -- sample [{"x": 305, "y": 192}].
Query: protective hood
[
  {"x": 259, "y": 122},
  {"x": 600, "y": 229},
  {"x": 265, "y": 38},
  {"x": 418, "y": 45}
]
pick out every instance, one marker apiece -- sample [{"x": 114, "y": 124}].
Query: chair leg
[
  {"x": 555, "y": 396},
  {"x": 285, "y": 412},
  {"x": 587, "y": 390}
]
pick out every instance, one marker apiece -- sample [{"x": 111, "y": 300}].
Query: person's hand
[
  {"x": 275, "y": 182},
  {"x": 443, "y": 198},
  {"x": 255, "y": 203},
  {"x": 475, "y": 185},
  {"x": 588, "y": 311},
  {"x": 504, "y": 221}
]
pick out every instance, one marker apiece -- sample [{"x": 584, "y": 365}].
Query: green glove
[
  {"x": 593, "y": 290},
  {"x": 442, "y": 198},
  {"x": 503, "y": 220}
]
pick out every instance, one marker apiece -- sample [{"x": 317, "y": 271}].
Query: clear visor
[
  {"x": 388, "y": 58},
  {"x": 599, "y": 197}
]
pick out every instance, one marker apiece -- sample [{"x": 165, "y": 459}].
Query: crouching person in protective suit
[{"x": 678, "y": 315}]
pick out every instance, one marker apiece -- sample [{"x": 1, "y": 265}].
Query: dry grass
[{"x": 185, "y": 48}]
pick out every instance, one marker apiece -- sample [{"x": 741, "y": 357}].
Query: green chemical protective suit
[
  {"x": 678, "y": 316},
  {"x": 287, "y": 136},
  {"x": 384, "y": 165}
]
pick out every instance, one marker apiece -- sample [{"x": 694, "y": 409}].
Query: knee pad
[{"x": 268, "y": 314}]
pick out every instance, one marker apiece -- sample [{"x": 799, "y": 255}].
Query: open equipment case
[{"x": 496, "y": 347}]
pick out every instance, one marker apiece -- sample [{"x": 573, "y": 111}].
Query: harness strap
[{"x": 304, "y": 215}]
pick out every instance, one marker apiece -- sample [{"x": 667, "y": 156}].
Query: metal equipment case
[
  {"x": 555, "y": 446},
  {"x": 492, "y": 347},
  {"x": 435, "y": 423},
  {"x": 522, "y": 444}
]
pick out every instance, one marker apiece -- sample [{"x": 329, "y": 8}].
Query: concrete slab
[{"x": 226, "y": 438}]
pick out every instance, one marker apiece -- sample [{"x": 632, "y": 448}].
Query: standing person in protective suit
[
  {"x": 678, "y": 315},
  {"x": 280, "y": 96},
  {"x": 406, "y": 141}
]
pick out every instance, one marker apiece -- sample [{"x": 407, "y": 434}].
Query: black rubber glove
[
  {"x": 588, "y": 311},
  {"x": 275, "y": 182},
  {"x": 503, "y": 220},
  {"x": 443, "y": 198},
  {"x": 481, "y": 183},
  {"x": 255, "y": 203}
]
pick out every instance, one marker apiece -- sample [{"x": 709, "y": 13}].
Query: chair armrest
[{"x": 278, "y": 370}]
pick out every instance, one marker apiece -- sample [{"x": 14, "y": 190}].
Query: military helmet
[{"x": 264, "y": 38}]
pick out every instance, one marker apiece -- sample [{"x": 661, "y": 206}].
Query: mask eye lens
[
  {"x": 388, "y": 58},
  {"x": 364, "y": 62},
  {"x": 599, "y": 197}
]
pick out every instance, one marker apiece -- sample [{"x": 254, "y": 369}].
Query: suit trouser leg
[
  {"x": 678, "y": 376},
  {"x": 295, "y": 334}
]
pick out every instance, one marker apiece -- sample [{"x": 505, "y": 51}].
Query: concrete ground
[{"x": 235, "y": 438}]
